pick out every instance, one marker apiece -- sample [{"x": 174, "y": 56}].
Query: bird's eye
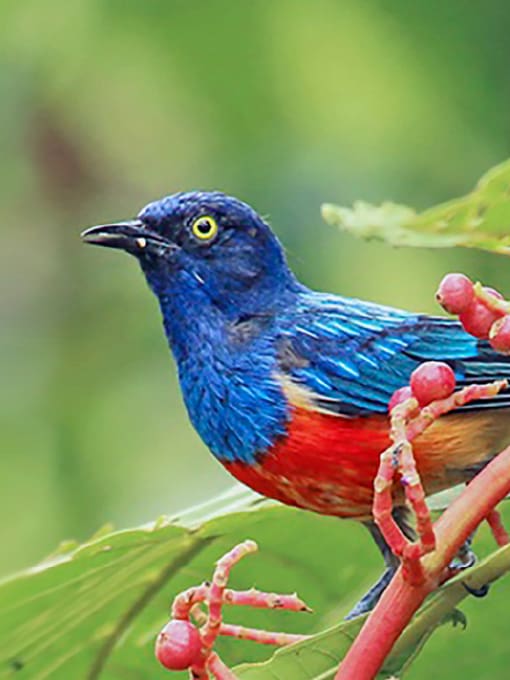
[{"x": 205, "y": 228}]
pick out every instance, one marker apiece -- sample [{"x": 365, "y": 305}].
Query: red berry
[
  {"x": 399, "y": 396},
  {"x": 455, "y": 293},
  {"x": 432, "y": 380},
  {"x": 477, "y": 319},
  {"x": 178, "y": 646},
  {"x": 499, "y": 335}
]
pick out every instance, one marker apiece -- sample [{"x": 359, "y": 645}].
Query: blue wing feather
[{"x": 353, "y": 355}]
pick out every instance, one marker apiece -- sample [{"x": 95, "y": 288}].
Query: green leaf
[
  {"x": 318, "y": 658},
  {"x": 95, "y": 610},
  {"x": 481, "y": 219},
  {"x": 313, "y": 659}
]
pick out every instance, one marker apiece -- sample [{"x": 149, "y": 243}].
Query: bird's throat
[{"x": 227, "y": 376}]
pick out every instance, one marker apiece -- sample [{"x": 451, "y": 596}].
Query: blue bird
[{"x": 289, "y": 387}]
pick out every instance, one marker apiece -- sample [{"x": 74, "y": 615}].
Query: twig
[{"x": 182, "y": 645}]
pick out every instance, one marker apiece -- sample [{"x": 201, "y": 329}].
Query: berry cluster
[
  {"x": 412, "y": 409},
  {"x": 482, "y": 311},
  {"x": 183, "y": 645}
]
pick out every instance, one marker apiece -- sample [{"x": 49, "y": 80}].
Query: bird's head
[{"x": 206, "y": 248}]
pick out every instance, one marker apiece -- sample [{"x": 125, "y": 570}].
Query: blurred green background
[{"x": 106, "y": 105}]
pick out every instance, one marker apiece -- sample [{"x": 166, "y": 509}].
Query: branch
[{"x": 402, "y": 599}]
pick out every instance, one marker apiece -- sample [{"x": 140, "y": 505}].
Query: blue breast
[{"x": 231, "y": 395}]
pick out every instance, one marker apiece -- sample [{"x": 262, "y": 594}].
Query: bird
[{"x": 289, "y": 387}]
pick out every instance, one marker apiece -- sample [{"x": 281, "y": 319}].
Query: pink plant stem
[
  {"x": 263, "y": 637},
  {"x": 261, "y": 600},
  {"x": 218, "y": 668},
  {"x": 495, "y": 304},
  {"x": 210, "y": 630},
  {"x": 438, "y": 408},
  {"x": 382, "y": 509},
  {"x": 199, "y": 671},
  {"x": 476, "y": 502},
  {"x": 400, "y": 456},
  {"x": 185, "y": 602},
  {"x": 401, "y": 599},
  {"x": 383, "y": 502},
  {"x": 407, "y": 422},
  {"x": 214, "y": 595},
  {"x": 498, "y": 530},
  {"x": 198, "y": 615},
  {"x": 415, "y": 494}
]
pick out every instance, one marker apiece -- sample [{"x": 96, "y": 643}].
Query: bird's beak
[{"x": 132, "y": 236}]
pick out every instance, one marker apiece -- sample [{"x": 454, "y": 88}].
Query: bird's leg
[
  {"x": 465, "y": 558},
  {"x": 371, "y": 597}
]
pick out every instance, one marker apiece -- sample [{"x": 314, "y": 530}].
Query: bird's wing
[{"x": 348, "y": 357}]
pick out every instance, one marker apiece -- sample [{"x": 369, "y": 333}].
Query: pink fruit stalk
[
  {"x": 181, "y": 645},
  {"x": 399, "y": 396}
]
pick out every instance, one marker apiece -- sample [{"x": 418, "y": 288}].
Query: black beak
[{"x": 132, "y": 236}]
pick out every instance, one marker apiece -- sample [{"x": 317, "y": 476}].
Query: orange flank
[{"x": 327, "y": 463}]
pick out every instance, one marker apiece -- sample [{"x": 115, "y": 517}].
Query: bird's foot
[
  {"x": 188, "y": 638},
  {"x": 482, "y": 591},
  {"x": 465, "y": 559}
]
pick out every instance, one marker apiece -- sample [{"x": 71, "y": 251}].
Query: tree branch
[{"x": 402, "y": 599}]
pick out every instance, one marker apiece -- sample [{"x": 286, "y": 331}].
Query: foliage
[
  {"x": 318, "y": 658},
  {"x": 99, "y": 606},
  {"x": 479, "y": 220},
  {"x": 108, "y": 105},
  {"x": 94, "y": 610}
]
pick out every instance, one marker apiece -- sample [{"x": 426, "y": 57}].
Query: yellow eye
[{"x": 205, "y": 228}]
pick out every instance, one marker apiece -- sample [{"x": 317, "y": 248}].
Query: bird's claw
[
  {"x": 464, "y": 559},
  {"x": 482, "y": 591},
  {"x": 458, "y": 618}
]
